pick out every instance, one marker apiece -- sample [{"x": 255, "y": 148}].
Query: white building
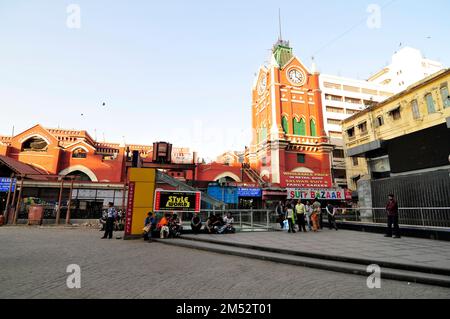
[
  {"x": 408, "y": 67},
  {"x": 341, "y": 98}
]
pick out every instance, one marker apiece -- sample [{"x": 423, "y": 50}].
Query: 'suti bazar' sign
[
  {"x": 175, "y": 201},
  {"x": 324, "y": 194}
]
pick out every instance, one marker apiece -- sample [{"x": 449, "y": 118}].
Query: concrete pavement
[{"x": 33, "y": 265}]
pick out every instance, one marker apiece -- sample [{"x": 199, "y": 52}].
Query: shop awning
[
  {"x": 362, "y": 149},
  {"x": 274, "y": 193},
  {"x": 394, "y": 109},
  {"x": 20, "y": 168}
]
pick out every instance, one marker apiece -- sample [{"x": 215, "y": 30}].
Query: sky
[{"x": 181, "y": 71}]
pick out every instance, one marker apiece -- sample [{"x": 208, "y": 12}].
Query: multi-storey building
[
  {"x": 408, "y": 66},
  {"x": 402, "y": 145},
  {"x": 342, "y": 98}
]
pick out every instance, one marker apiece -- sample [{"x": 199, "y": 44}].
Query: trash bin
[
  {"x": 2, "y": 220},
  {"x": 35, "y": 214}
]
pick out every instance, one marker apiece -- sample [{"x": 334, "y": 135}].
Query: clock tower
[{"x": 289, "y": 147}]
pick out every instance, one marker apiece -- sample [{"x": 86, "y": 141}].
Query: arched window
[
  {"x": 80, "y": 176},
  {"x": 299, "y": 127},
  {"x": 313, "y": 128},
  {"x": 35, "y": 144},
  {"x": 79, "y": 153},
  {"x": 285, "y": 125}
]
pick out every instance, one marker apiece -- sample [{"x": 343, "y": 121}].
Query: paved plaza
[{"x": 33, "y": 264}]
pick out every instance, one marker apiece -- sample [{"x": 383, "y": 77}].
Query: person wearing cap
[
  {"x": 392, "y": 217},
  {"x": 111, "y": 217}
]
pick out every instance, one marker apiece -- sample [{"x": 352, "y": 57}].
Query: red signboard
[
  {"x": 130, "y": 205},
  {"x": 305, "y": 180}
]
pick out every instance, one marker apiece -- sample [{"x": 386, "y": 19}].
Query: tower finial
[{"x": 279, "y": 24}]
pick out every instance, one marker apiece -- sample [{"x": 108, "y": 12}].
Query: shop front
[{"x": 249, "y": 197}]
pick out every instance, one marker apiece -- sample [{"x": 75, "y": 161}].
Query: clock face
[
  {"x": 262, "y": 84},
  {"x": 296, "y": 76}
]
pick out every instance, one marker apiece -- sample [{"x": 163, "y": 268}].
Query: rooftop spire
[{"x": 280, "y": 37}]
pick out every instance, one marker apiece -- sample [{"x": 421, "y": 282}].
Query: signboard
[
  {"x": 305, "y": 180},
  {"x": 175, "y": 201},
  {"x": 321, "y": 194},
  {"x": 5, "y": 183},
  {"x": 249, "y": 192},
  {"x": 182, "y": 156},
  {"x": 130, "y": 206}
]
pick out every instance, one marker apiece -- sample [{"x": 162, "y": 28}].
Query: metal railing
[
  {"x": 267, "y": 219},
  {"x": 410, "y": 216},
  {"x": 244, "y": 219}
]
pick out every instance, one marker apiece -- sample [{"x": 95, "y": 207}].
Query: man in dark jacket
[{"x": 392, "y": 215}]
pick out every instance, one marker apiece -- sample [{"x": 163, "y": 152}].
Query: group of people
[
  {"x": 292, "y": 215},
  {"x": 218, "y": 225},
  {"x": 296, "y": 215},
  {"x": 169, "y": 226}
]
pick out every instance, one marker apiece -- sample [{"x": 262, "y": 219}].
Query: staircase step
[
  {"x": 341, "y": 258},
  {"x": 317, "y": 263}
]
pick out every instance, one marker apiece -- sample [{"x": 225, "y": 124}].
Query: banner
[
  {"x": 175, "y": 201},
  {"x": 5, "y": 183},
  {"x": 321, "y": 194},
  {"x": 130, "y": 205},
  {"x": 305, "y": 180},
  {"x": 249, "y": 192}
]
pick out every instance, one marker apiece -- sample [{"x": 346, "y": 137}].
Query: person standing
[
  {"x": 309, "y": 211},
  {"x": 300, "y": 210},
  {"x": 315, "y": 215},
  {"x": 110, "y": 220},
  {"x": 331, "y": 213},
  {"x": 392, "y": 216},
  {"x": 279, "y": 210},
  {"x": 291, "y": 217}
]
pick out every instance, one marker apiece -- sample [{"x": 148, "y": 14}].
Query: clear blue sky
[{"x": 182, "y": 70}]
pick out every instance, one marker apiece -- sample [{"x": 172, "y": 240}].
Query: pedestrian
[
  {"x": 316, "y": 206},
  {"x": 196, "y": 224},
  {"x": 300, "y": 210},
  {"x": 392, "y": 217},
  {"x": 110, "y": 220},
  {"x": 291, "y": 217},
  {"x": 279, "y": 210},
  {"x": 175, "y": 226},
  {"x": 309, "y": 211},
  {"x": 149, "y": 226},
  {"x": 331, "y": 213}
]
